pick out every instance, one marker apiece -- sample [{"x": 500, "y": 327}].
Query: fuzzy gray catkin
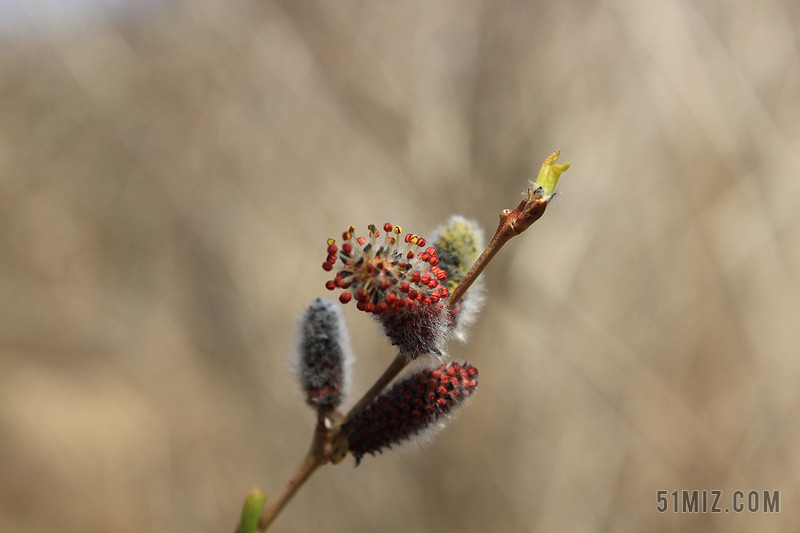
[{"x": 322, "y": 356}]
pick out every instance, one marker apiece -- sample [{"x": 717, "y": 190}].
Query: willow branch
[{"x": 319, "y": 453}]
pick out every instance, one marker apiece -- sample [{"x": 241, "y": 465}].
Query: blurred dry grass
[{"x": 168, "y": 180}]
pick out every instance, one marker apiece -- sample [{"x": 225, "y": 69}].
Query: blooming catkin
[
  {"x": 396, "y": 279},
  {"x": 458, "y": 244},
  {"x": 409, "y": 407},
  {"x": 323, "y": 354}
]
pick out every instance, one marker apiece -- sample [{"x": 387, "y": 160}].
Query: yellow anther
[
  {"x": 331, "y": 241},
  {"x": 397, "y": 230}
]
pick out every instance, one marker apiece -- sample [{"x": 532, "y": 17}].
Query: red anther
[
  {"x": 346, "y": 236},
  {"x": 345, "y": 297},
  {"x": 327, "y": 267},
  {"x": 405, "y": 286},
  {"x": 410, "y": 255},
  {"x": 415, "y": 277},
  {"x": 380, "y": 308},
  {"x": 443, "y": 291},
  {"x": 330, "y": 285},
  {"x": 409, "y": 302},
  {"x": 440, "y": 274},
  {"x": 369, "y": 307},
  {"x": 339, "y": 282},
  {"x": 332, "y": 249},
  {"x": 385, "y": 284},
  {"x": 431, "y": 250},
  {"x": 387, "y": 227},
  {"x": 434, "y": 260},
  {"x": 434, "y": 297},
  {"x": 426, "y": 278},
  {"x": 421, "y": 242},
  {"x": 361, "y": 305},
  {"x": 420, "y": 296},
  {"x": 361, "y": 241},
  {"x": 432, "y": 283},
  {"x": 331, "y": 259},
  {"x": 362, "y": 296},
  {"x": 347, "y": 248},
  {"x": 400, "y": 303},
  {"x": 408, "y": 237},
  {"x": 412, "y": 294}
]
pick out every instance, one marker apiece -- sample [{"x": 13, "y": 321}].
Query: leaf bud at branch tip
[
  {"x": 548, "y": 176},
  {"x": 539, "y": 194}
]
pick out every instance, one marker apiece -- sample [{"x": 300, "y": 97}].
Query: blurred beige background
[{"x": 169, "y": 176}]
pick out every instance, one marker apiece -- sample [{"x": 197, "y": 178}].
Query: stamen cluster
[
  {"x": 385, "y": 273},
  {"x": 409, "y": 407}
]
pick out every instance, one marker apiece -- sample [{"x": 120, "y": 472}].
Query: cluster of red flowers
[
  {"x": 385, "y": 274},
  {"x": 409, "y": 407}
]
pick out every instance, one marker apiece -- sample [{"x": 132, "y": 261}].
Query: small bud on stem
[{"x": 251, "y": 511}]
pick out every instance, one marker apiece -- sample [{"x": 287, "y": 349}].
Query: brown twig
[
  {"x": 318, "y": 454},
  {"x": 512, "y": 223}
]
